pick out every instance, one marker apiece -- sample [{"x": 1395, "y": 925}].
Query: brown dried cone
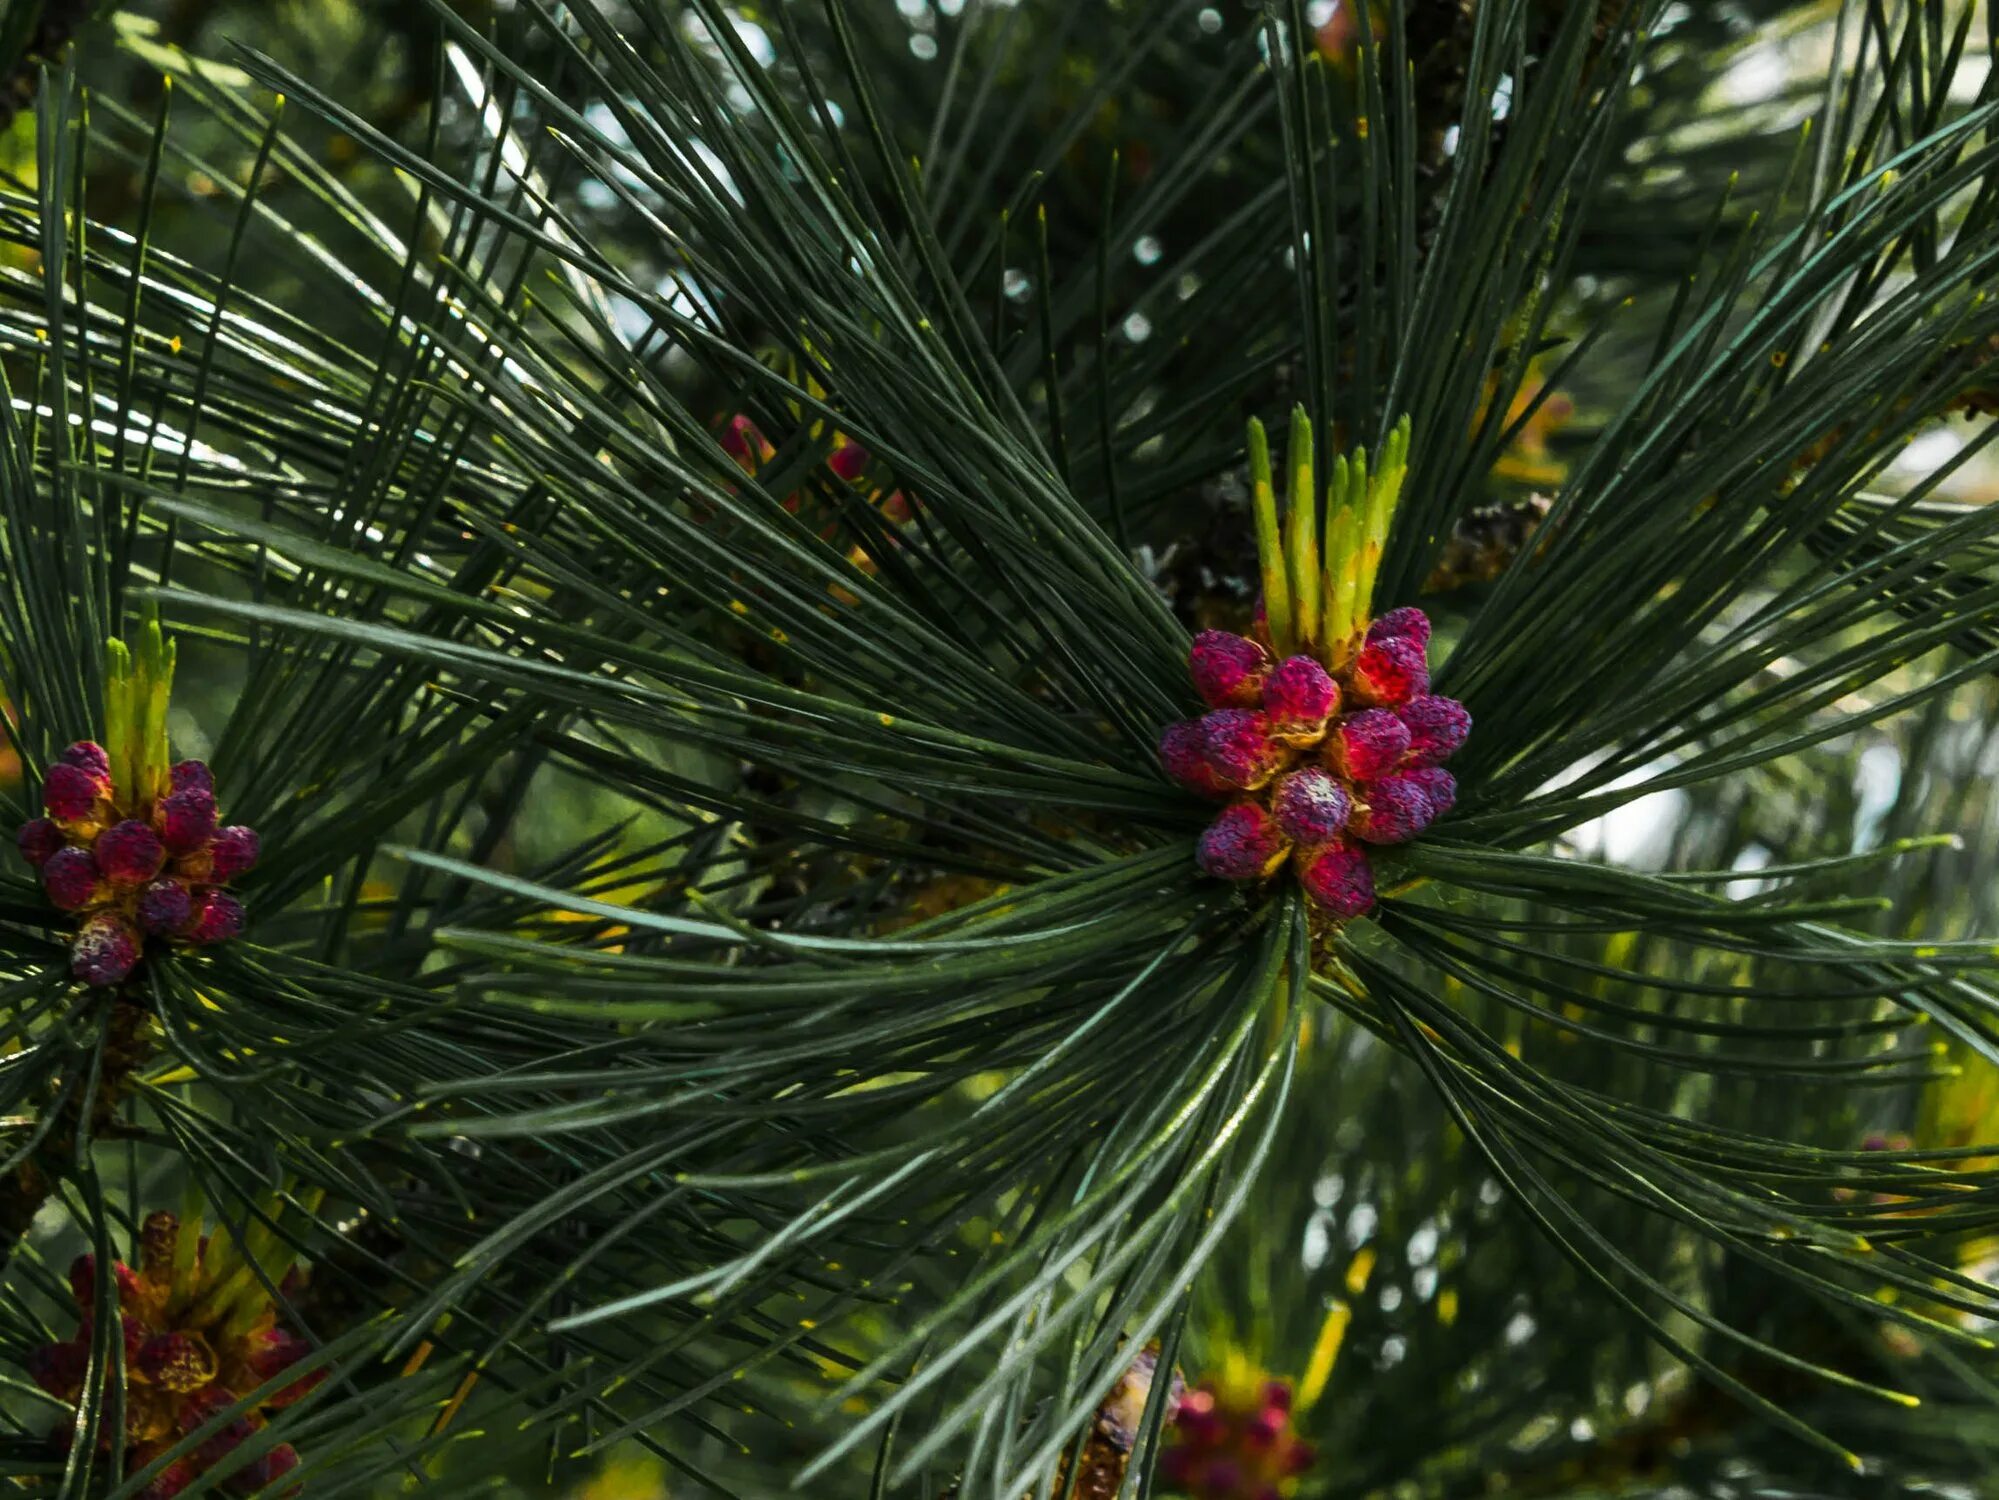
[
  {"x": 1106, "y": 1455},
  {"x": 1485, "y": 541}
]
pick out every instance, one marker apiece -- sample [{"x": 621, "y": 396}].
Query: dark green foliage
[{"x": 611, "y": 1022}]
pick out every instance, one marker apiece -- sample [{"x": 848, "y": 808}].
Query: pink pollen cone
[
  {"x": 1183, "y": 753},
  {"x": 235, "y": 851},
  {"x": 1338, "y": 877},
  {"x": 129, "y": 853},
  {"x": 1243, "y": 843},
  {"x": 1238, "y": 747},
  {"x": 1311, "y": 806},
  {"x": 1228, "y": 670},
  {"x": 848, "y": 461},
  {"x": 1438, "y": 727},
  {"x": 192, "y": 776},
  {"x": 216, "y": 920},
  {"x": 187, "y": 820},
  {"x": 1393, "y": 811},
  {"x": 1300, "y": 696},
  {"x": 88, "y": 755},
  {"x": 165, "y": 907},
  {"x": 1368, "y": 744},
  {"x": 1439, "y": 785},
  {"x": 104, "y": 951},
  {"x": 1406, "y": 623},
  {"x": 70, "y": 793},
  {"x": 1390, "y": 671},
  {"x": 70, "y": 878},
  {"x": 38, "y": 841}
]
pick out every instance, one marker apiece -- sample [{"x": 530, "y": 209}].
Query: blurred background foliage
[{"x": 1439, "y": 1344}]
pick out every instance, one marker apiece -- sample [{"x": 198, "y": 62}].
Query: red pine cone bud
[
  {"x": 178, "y": 1362},
  {"x": 70, "y": 878},
  {"x": 83, "y": 1285},
  {"x": 1243, "y": 843},
  {"x": 105, "y": 950},
  {"x": 187, "y": 820},
  {"x": 267, "y": 1469},
  {"x": 70, "y": 793},
  {"x": 276, "y": 1350},
  {"x": 1183, "y": 751},
  {"x": 159, "y": 1236},
  {"x": 1390, "y": 671},
  {"x": 192, "y": 776},
  {"x": 1311, "y": 806},
  {"x": 1406, "y": 623},
  {"x": 129, "y": 853},
  {"x": 1300, "y": 696},
  {"x": 1228, "y": 670},
  {"x": 1338, "y": 877},
  {"x": 39, "y": 840},
  {"x": 1367, "y": 745},
  {"x": 1393, "y": 811},
  {"x": 235, "y": 850},
  {"x": 1437, "y": 728},
  {"x": 88, "y": 755},
  {"x": 218, "y": 919},
  {"x": 170, "y": 1481},
  {"x": 165, "y": 907},
  {"x": 59, "y": 1368},
  {"x": 1439, "y": 785},
  {"x": 1238, "y": 747},
  {"x": 198, "y": 1408},
  {"x": 849, "y": 461}
]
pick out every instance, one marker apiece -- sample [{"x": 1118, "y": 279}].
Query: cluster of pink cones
[
  {"x": 1235, "y": 1445},
  {"x": 1316, "y": 765},
  {"x": 200, "y": 1332},
  {"x": 135, "y": 863}
]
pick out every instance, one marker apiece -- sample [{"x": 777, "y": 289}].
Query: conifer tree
[{"x": 1075, "y": 748}]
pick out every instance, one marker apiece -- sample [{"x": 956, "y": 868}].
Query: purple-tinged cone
[
  {"x": 129, "y": 853},
  {"x": 1391, "y": 671},
  {"x": 216, "y": 920},
  {"x": 192, "y": 776},
  {"x": 1183, "y": 752},
  {"x": 59, "y": 1368},
  {"x": 1406, "y": 623},
  {"x": 235, "y": 851},
  {"x": 70, "y": 878},
  {"x": 1438, "y": 727},
  {"x": 1393, "y": 811},
  {"x": 165, "y": 907},
  {"x": 39, "y": 841},
  {"x": 1439, "y": 785},
  {"x": 1338, "y": 877},
  {"x": 71, "y": 793},
  {"x": 1299, "y": 697},
  {"x": 88, "y": 755},
  {"x": 1311, "y": 806},
  {"x": 1228, "y": 670},
  {"x": 1367, "y": 745},
  {"x": 1238, "y": 748},
  {"x": 187, "y": 820},
  {"x": 1243, "y": 843},
  {"x": 104, "y": 951}
]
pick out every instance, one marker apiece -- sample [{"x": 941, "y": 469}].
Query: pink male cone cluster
[
  {"x": 1316, "y": 767},
  {"x": 1230, "y": 1445},
  {"x": 134, "y": 863},
  {"x": 197, "y": 1339}
]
